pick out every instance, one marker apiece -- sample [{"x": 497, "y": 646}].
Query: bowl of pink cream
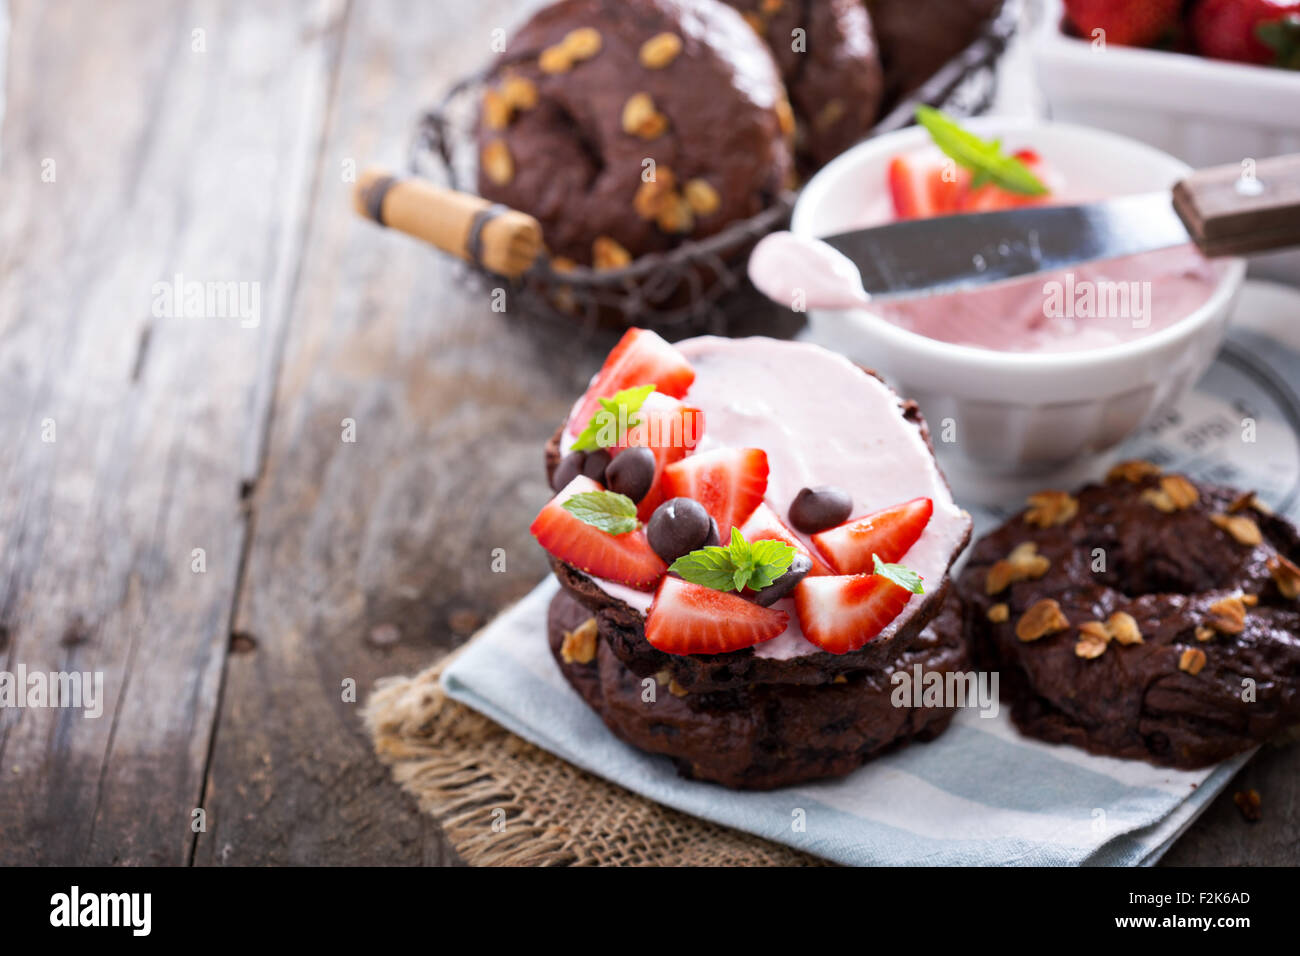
[{"x": 1027, "y": 374}]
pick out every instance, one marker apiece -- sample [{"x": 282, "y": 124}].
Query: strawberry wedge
[
  {"x": 889, "y": 533},
  {"x": 641, "y": 357},
  {"x": 842, "y": 613},
  {"x": 921, "y": 189},
  {"x": 689, "y": 618},
  {"x": 670, "y": 429},
  {"x": 623, "y": 558},
  {"x": 991, "y": 198},
  {"x": 765, "y": 525},
  {"x": 728, "y": 482}
]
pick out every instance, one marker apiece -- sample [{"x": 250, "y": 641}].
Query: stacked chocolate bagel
[{"x": 748, "y": 718}]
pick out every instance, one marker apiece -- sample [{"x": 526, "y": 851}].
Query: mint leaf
[
  {"x": 986, "y": 160},
  {"x": 771, "y": 560},
  {"x": 902, "y": 576},
  {"x": 607, "y": 426},
  {"x": 737, "y": 566},
  {"x": 607, "y": 510},
  {"x": 711, "y": 567}
]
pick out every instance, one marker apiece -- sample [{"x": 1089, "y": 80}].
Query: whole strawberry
[
  {"x": 1248, "y": 31},
  {"x": 1125, "y": 22}
]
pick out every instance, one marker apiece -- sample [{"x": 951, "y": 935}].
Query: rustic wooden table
[{"x": 148, "y": 139}]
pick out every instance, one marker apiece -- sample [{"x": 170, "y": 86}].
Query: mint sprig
[
  {"x": 739, "y": 565},
  {"x": 904, "y": 577},
  {"x": 607, "y": 510},
  {"x": 985, "y": 159},
  {"x": 606, "y": 428}
]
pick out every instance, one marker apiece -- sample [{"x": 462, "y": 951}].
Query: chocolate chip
[
  {"x": 570, "y": 467},
  {"x": 800, "y": 565},
  {"x": 816, "y": 509},
  {"x": 631, "y": 473},
  {"x": 595, "y": 465},
  {"x": 679, "y": 526}
]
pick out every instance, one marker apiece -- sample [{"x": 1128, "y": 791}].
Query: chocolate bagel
[
  {"x": 1148, "y": 617},
  {"x": 626, "y": 128},
  {"x": 762, "y": 736}
]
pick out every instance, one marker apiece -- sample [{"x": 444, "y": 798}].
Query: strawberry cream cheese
[{"x": 821, "y": 421}]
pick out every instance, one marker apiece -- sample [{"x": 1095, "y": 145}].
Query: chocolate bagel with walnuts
[
  {"x": 762, "y": 736},
  {"x": 1137, "y": 618},
  {"x": 589, "y": 92},
  {"x": 623, "y": 626},
  {"x": 831, "y": 71}
]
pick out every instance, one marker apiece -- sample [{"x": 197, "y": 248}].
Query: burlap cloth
[{"x": 464, "y": 770}]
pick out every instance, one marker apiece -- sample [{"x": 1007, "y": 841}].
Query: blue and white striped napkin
[{"x": 980, "y": 794}]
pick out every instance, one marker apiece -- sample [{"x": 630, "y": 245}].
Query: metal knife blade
[{"x": 947, "y": 252}]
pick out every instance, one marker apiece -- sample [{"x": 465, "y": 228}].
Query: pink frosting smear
[
  {"x": 1093, "y": 305},
  {"x": 822, "y": 421}
]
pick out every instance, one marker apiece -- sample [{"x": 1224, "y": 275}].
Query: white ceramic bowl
[{"x": 1016, "y": 412}]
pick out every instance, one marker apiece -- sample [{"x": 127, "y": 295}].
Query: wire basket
[{"x": 700, "y": 285}]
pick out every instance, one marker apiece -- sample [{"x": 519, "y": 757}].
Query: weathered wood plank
[
  {"x": 174, "y": 151},
  {"x": 370, "y": 557}
]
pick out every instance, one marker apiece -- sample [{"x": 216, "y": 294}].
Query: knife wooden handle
[
  {"x": 501, "y": 240},
  {"x": 1242, "y": 208}
]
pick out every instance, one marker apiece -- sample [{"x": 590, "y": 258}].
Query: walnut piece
[
  {"x": 497, "y": 162},
  {"x": 555, "y": 59},
  {"x": 999, "y": 613},
  {"x": 608, "y": 254},
  {"x": 1204, "y": 633},
  {"x": 1090, "y": 645},
  {"x": 703, "y": 198},
  {"x": 1249, "y": 803},
  {"x": 1024, "y": 563},
  {"x": 660, "y": 50},
  {"x": 785, "y": 116},
  {"x": 1228, "y": 615},
  {"x": 579, "y": 645},
  {"x": 641, "y": 118},
  {"x": 676, "y": 689},
  {"x": 1123, "y": 627},
  {"x": 1191, "y": 660},
  {"x": 520, "y": 92},
  {"x": 582, "y": 43},
  {"x": 1132, "y": 471},
  {"x": 1049, "y": 508},
  {"x": 1174, "y": 494},
  {"x": 1285, "y": 575},
  {"x": 675, "y": 214},
  {"x": 497, "y": 110},
  {"x": 1243, "y": 529},
  {"x": 651, "y": 195},
  {"x": 1043, "y": 618}
]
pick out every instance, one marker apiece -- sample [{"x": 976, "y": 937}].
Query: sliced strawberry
[
  {"x": 623, "y": 558},
  {"x": 889, "y": 532},
  {"x": 689, "y": 618},
  {"x": 840, "y": 614},
  {"x": 729, "y": 482},
  {"x": 670, "y": 429},
  {"x": 991, "y": 198},
  {"x": 641, "y": 357},
  {"x": 921, "y": 188},
  {"x": 765, "y": 525}
]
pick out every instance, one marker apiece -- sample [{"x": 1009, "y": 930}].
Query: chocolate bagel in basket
[{"x": 626, "y": 156}]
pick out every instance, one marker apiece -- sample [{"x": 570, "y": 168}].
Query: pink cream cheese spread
[
  {"x": 822, "y": 421},
  {"x": 1093, "y": 305}
]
